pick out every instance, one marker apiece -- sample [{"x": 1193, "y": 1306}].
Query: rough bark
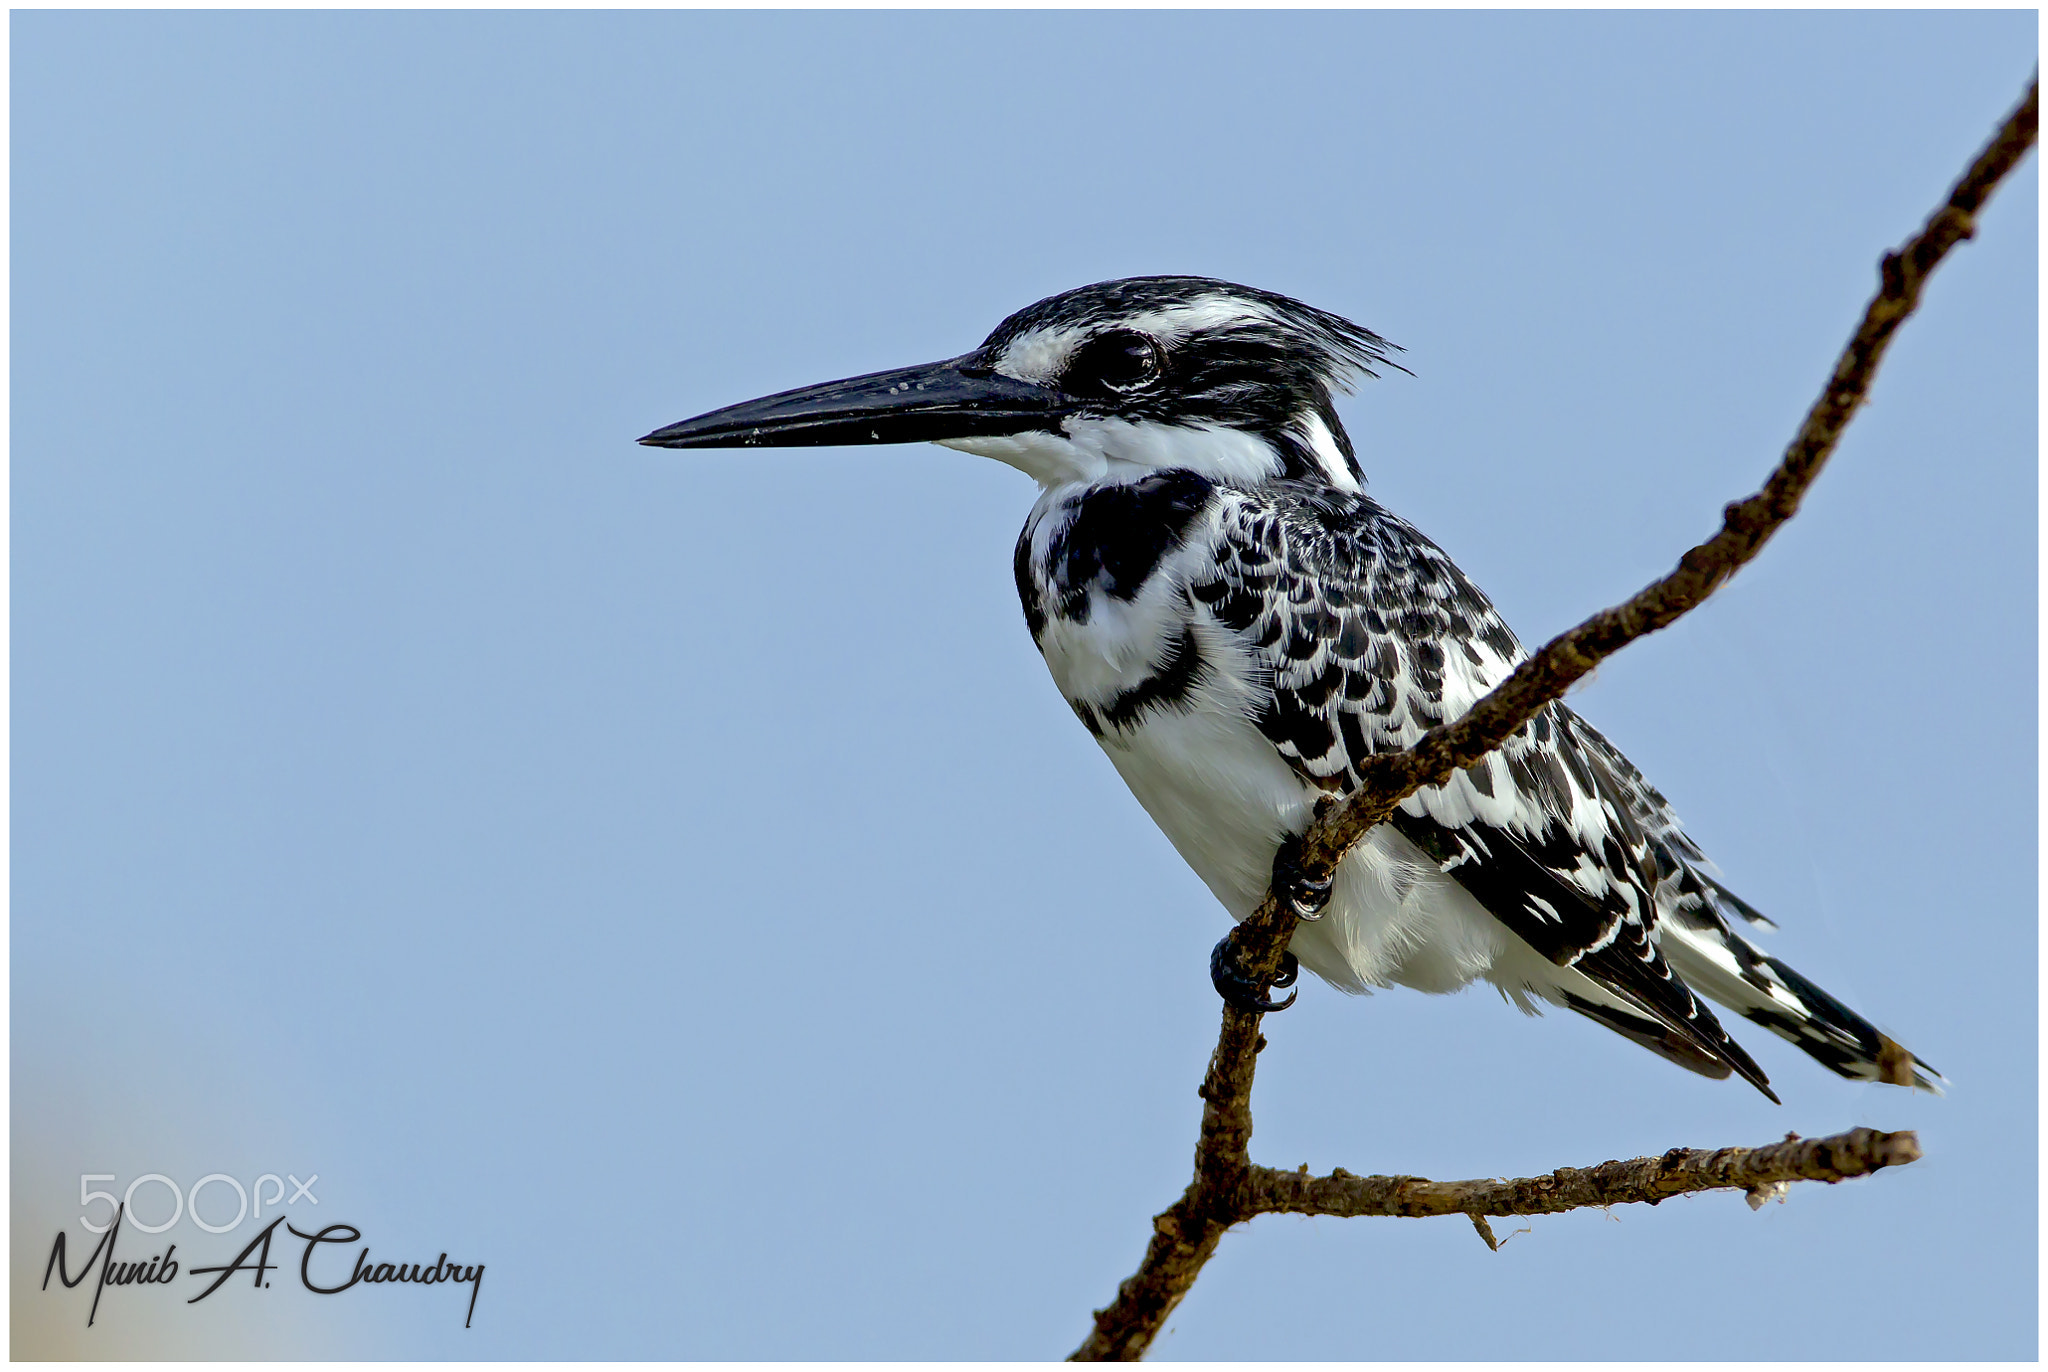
[{"x": 1646, "y": 1181}]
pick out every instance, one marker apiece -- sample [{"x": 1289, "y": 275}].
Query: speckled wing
[
  {"x": 1372, "y": 636},
  {"x": 1699, "y": 937},
  {"x": 1686, "y": 886}
]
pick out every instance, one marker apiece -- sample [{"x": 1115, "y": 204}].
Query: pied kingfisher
[{"x": 1238, "y": 624}]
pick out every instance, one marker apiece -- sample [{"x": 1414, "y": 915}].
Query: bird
[{"x": 1239, "y": 625}]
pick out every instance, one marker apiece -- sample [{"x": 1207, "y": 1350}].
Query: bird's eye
[{"x": 1117, "y": 361}]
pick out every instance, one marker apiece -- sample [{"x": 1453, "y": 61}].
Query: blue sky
[{"x": 672, "y": 880}]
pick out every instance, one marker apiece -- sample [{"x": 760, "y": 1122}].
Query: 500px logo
[
  {"x": 182, "y": 1200},
  {"x": 162, "y": 1269}
]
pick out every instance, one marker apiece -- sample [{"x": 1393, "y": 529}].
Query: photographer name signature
[{"x": 161, "y": 1269}]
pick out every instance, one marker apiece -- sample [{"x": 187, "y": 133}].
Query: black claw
[
  {"x": 1242, "y": 990},
  {"x": 1293, "y": 886}
]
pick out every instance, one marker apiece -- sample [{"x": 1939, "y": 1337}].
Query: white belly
[{"x": 1224, "y": 797}]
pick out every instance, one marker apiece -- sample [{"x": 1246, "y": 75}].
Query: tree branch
[
  {"x": 1187, "y": 1233},
  {"x": 1647, "y": 1181}
]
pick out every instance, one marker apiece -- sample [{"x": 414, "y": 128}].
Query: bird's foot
[
  {"x": 1239, "y": 988},
  {"x": 1292, "y": 885}
]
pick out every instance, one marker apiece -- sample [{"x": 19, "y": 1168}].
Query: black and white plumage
[{"x": 1238, "y": 624}]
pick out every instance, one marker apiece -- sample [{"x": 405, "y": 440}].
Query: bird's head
[{"x": 1102, "y": 383}]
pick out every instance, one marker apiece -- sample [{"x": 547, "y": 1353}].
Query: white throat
[{"x": 1095, "y": 452}]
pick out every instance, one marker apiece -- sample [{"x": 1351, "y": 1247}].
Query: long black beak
[{"x": 958, "y": 398}]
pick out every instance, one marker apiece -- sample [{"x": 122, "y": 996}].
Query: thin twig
[
  {"x": 1485, "y": 1231},
  {"x": 1188, "y": 1232}
]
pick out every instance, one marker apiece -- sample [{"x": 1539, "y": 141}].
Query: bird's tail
[{"x": 1722, "y": 965}]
